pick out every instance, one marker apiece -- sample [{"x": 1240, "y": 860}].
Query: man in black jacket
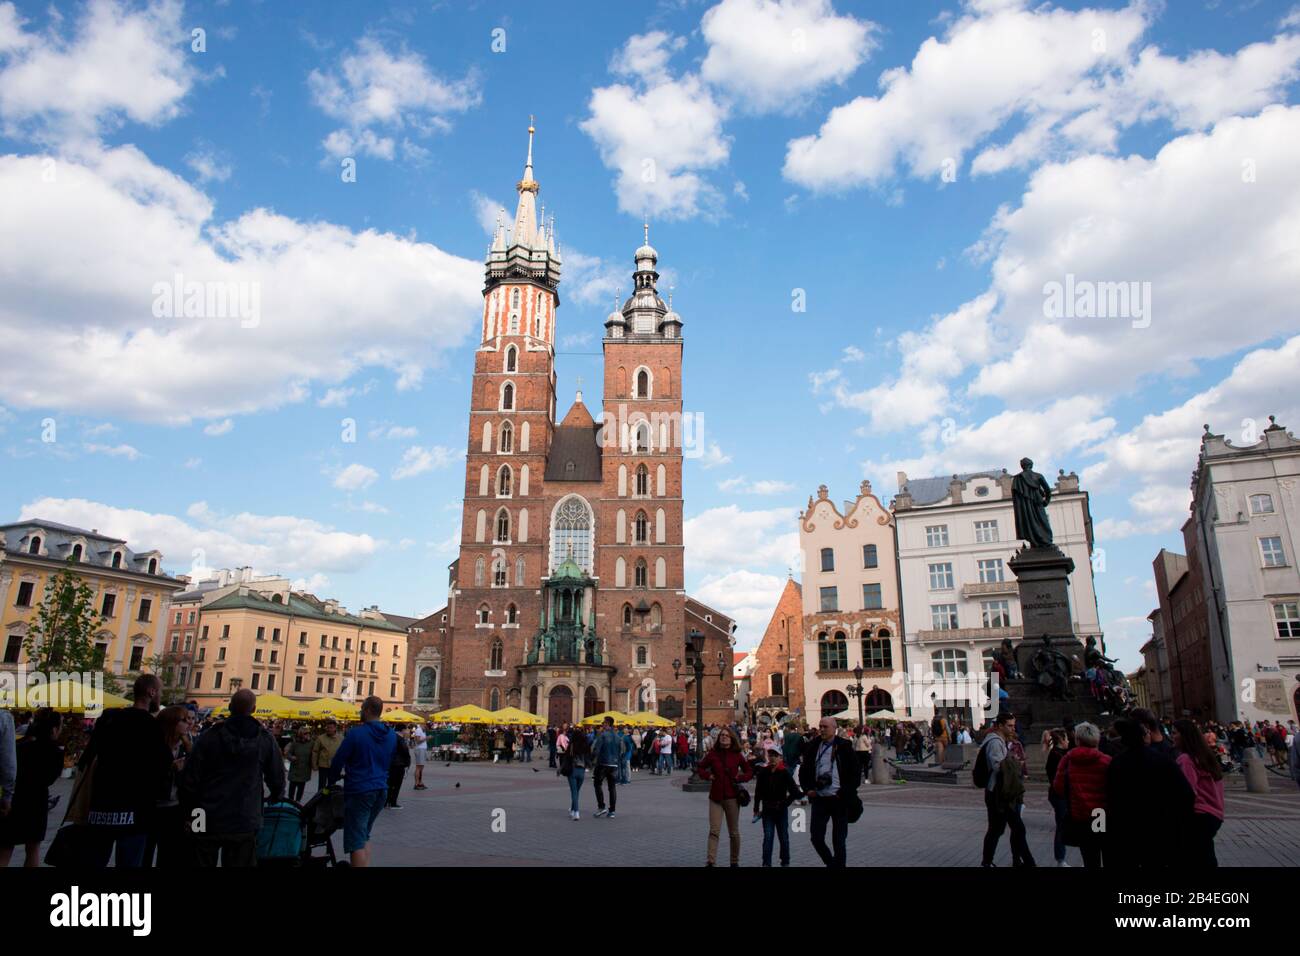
[
  {"x": 1149, "y": 804},
  {"x": 829, "y": 776},
  {"x": 397, "y": 771},
  {"x": 221, "y": 785}
]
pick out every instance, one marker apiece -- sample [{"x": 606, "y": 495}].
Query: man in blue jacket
[
  {"x": 608, "y": 750},
  {"x": 363, "y": 760}
]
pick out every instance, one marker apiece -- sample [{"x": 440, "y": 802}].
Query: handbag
[
  {"x": 70, "y": 846},
  {"x": 79, "y": 800},
  {"x": 742, "y": 795}
]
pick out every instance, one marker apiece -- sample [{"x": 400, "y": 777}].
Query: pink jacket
[{"x": 1209, "y": 792}]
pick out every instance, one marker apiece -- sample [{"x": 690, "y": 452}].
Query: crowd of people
[{"x": 1143, "y": 793}]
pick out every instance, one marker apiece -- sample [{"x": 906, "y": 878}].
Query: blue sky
[{"x": 913, "y": 171}]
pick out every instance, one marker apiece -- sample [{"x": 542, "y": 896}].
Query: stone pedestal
[
  {"x": 1256, "y": 772},
  {"x": 879, "y": 769}
]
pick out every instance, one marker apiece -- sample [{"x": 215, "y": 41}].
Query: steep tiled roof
[
  {"x": 297, "y": 607},
  {"x": 576, "y": 446}
]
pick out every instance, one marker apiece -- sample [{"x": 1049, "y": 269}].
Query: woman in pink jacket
[{"x": 1201, "y": 767}]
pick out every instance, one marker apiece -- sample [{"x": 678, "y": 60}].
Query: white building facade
[
  {"x": 959, "y": 598},
  {"x": 1248, "y": 533}
]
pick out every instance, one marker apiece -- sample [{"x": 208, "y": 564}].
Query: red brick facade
[{"x": 776, "y": 684}]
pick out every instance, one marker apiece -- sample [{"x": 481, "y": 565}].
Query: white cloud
[
  {"x": 417, "y": 460},
  {"x": 772, "y": 54},
  {"x": 117, "y": 64},
  {"x": 748, "y": 597},
  {"x": 113, "y": 451},
  {"x": 853, "y": 354},
  {"x": 317, "y": 582},
  {"x": 208, "y": 539},
  {"x": 393, "y": 432},
  {"x": 330, "y": 300},
  {"x": 355, "y": 477},
  {"x": 714, "y": 456},
  {"x": 208, "y": 167},
  {"x": 1069, "y": 81},
  {"x": 217, "y": 429},
  {"x": 193, "y": 462},
  {"x": 373, "y": 87},
  {"x": 728, "y": 537},
  {"x": 744, "y": 486}
]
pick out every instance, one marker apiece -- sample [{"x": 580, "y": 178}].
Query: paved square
[{"x": 516, "y": 815}]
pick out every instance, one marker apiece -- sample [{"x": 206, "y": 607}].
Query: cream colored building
[
  {"x": 130, "y": 590},
  {"x": 850, "y": 607},
  {"x": 263, "y": 636}
]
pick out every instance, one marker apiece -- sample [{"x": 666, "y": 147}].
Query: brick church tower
[{"x": 569, "y": 594}]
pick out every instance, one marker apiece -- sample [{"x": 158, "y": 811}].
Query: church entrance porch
[{"x": 559, "y": 706}]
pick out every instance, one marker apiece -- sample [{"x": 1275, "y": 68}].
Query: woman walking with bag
[{"x": 725, "y": 769}]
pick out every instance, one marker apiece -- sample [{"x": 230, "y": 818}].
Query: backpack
[{"x": 980, "y": 775}]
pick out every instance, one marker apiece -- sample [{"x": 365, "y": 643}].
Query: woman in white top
[{"x": 419, "y": 753}]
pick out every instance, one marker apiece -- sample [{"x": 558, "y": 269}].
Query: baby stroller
[
  {"x": 321, "y": 816},
  {"x": 280, "y": 841}
]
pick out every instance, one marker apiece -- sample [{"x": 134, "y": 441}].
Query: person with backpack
[{"x": 999, "y": 775}]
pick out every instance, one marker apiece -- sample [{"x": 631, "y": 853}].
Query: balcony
[
  {"x": 969, "y": 634},
  {"x": 990, "y": 588}
]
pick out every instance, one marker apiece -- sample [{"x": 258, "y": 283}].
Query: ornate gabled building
[{"x": 568, "y": 595}]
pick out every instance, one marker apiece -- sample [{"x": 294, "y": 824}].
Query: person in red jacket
[
  {"x": 725, "y": 768},
  {"x": 1081, "y": 780}
]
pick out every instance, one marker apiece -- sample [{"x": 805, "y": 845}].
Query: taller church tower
[{"x": 512, "y": 421}]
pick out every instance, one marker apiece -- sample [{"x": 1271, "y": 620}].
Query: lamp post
[
  {"x": 696, "y": 784},
  {"x": 857, "y": 690}
]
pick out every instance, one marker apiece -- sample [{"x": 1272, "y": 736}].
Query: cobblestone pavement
[{"x": 516, "y": 815}]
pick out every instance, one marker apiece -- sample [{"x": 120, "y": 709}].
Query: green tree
[
  {"x": 61, "y": 632},
  {"x": 168, "y": 671}
]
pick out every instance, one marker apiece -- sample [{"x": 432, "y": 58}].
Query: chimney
[{"x": 954, "y": 490}]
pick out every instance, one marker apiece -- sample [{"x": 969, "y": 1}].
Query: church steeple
[
  {"x": 529, "y": 249},
  {"x": 644, "y": 313}
]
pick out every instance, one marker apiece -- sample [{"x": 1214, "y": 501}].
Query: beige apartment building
[{"x": 130, "y": 589}]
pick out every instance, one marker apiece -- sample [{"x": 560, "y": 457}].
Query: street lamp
[
  {"x": 857, "y": 690},
  {"x": 697, "y": 784}
]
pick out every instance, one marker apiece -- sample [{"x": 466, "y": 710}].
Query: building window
[
  {"x": 877, "y": 654},
  {"x": 519, "y": 571},
  {"x": 642, "y": 485},
  {"x": 508, "y": 397},
  {"x": 25, "y": 589},
  {"x": 995, "y": 613},
  {"x": 571, "y": 534},
  {"x": 1271, "y": 549},
  {"x": 505, "y": 481},
  {"x": 833, "y": 702},
  {"x": 776, "y": 685},
  {"x": 257, "y": 679},
  {"x": 13, "y": 649},
  {"x": 1261, "y": 504},
  {"x": 640, "y": 573},
  {"x": 991, "y": 571},
  {"x": 641, "y": 528},
  {"x": 153, "y": 565},
  {"x": 643, "y": 384},
  {"x": 878, "y": 699},
  {"x": 641, "y": 657},
  {"x": 506, "y": 441},
  {"x": 943, "y": 617},
  {"x": 503, "y": 526},
  {"x": 512, "y": 614},
  {"x": 830, "y": 599},
  {"x": 656, "y": 617},
  {"x": 35, "y": 547},
  {"x": 76, "y": 552},
  {"x": 478, "y": 573},
  {"x": 117, "y": 563},
  {"x": 499, "y": 573},
  {"x": 941, "y": 577},
  {"x": 320, "y": 684},
  {"x": 498, "y": 653},
  {"x": 948, "y": 663},
  {"x": 110, "y": 605},
  {"x": 261, "y": 633},
  {"x": 627, "y": 616},
  {"x": 302, "y": 637},
  {"x": 986, "y": 532},
  {"x": 869, "y": 559},
  {"x": 828, "y": 559},
  {"x": 641, "y": 437},
  {"x": 871, "y": 597},
  {"x": 495, "y": 703},
  {"x": 216, "y": 680},
  {"x": 146, "y": 605},
  {"x": 936, "y": 536},
  {"x": 832, "y": 653},
  {"x": 1287, "y": 615},
  {"x": 512, "y": 355}
]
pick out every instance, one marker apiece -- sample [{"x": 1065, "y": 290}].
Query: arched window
[
  {"x": 519, "y": 571},
  {"x": 512, "y": 614},
  {"x": 833, "y": 702},
  {"x": 514, "y": 323},
  {"x": 656, "y": 617},
  {"x": 506, "y": 443},
  {"x": 641, "y": 437},
  {"x": 505, "y": 481},
  {"x": 878, "y": 699},
  {"x": 35, "y": 548},
  {"x": 76, "y": 552},
  {"x": 627, "y": 615},
  {"x": 499, "y": 573},
  {"x": 153, "y": 565},
  {"x": 643, "y": 383},
  {"x": 503, "y": 525},
  {"x": 571, "y": 533},
  {"x": 641, "y": 656},
  {"x": 495, "y": 699},
  {"x": 832, "y": 652},
  {"x": 949, "y": 663},
  {"x": 877, "y": 654},
  {"x": 498, "y": 653},
  {"x": 640, "y": 578},
  {"x": 478, "y": 573},
  {"x": 641, "y": 528},
  {"x": 507, "y": 397},
  {"x": 512, "y": 359},
  {"x": 642, "y": 482},
  {"x": 483, "y": 613}
]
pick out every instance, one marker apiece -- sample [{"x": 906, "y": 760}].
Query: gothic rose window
[{"x": 571, "y": 534}]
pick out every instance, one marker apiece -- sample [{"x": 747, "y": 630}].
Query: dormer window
[
  {"x": 76, "y": 552},
  {"x": 117, "y": 559},
  {"x": 35, "y": 546},
  {"x": 153, "y": 565}
]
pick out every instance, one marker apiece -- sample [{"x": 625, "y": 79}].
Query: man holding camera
[{"x": 829, "y": 777}]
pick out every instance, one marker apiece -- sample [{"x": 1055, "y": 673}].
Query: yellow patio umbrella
[
  {"x": 647, "y": 719},
  {"x": 65, "y": 696},
  {"x": 465, "y": 714},
  {"x": 619, "y": 718},
  {"x": 513, "y": 715},
  {"x": 269, "y": 707},
  {"x": 400, "y": 716},
  {"x": 327, "y": 708}
]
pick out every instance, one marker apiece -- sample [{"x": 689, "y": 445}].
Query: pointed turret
[{"x": 527, "y": 249}]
